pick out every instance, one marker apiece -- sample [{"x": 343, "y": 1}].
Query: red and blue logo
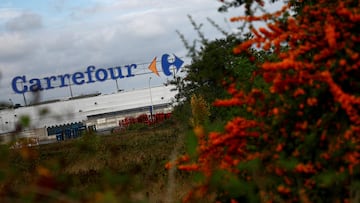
[{"x": 166, "y": 62}]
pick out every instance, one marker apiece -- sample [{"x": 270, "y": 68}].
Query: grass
[{"x": 125, "y": 167}]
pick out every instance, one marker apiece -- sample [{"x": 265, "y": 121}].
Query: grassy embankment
[{"x": 125, "y": 167}]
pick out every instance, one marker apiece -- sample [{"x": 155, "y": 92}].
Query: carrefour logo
[{"x": 21, "y": 84}]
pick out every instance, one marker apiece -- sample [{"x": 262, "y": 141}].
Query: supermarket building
[{"x": 102, "y": 111}]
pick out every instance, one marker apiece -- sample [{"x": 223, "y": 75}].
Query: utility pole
[
  {"x": 71, "y": 93},
  {"x": 22, "y": 84},
  {"x": 151, "y": 102}
]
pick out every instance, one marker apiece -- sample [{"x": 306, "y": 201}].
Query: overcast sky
[{"x": 41, "y": 38}]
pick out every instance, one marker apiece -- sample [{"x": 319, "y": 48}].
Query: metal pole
[
  {"x": 25, "y": 103},
  {"x": 117, "y": 86},
  {"x": 151, "y": 102},
  {"x": 71, "y": 93}
]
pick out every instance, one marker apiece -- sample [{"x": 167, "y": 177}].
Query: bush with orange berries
[{"x": 300, "y": 140}]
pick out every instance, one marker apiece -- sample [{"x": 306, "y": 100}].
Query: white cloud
[
  {"x": 8, "y": 13},
  {"x": 15, "y": 47},
  {"x": 58, "y": 5},
  {"x": 153, "y": 26},
  {"x": 24, "y": 22}
]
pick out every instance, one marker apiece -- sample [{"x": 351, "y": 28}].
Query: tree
[
  {"x": 212, "y": 68},
  {"x": 300, "y": 142}
]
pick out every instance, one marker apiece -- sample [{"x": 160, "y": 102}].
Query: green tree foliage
[{"x": 213, "y": 67}]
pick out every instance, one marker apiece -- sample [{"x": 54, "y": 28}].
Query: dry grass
[{"x": 127, "y": 167}]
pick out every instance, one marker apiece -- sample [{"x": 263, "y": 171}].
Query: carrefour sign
[{"x": 22, "y": 84}]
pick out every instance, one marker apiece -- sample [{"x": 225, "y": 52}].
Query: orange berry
[
  {"x": 275, "y": 111},
  {"x": 342, "y": 62}
]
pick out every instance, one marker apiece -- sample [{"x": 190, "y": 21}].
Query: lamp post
[
  {"x": 25, "y": 103},
  {"x": 71, "y": 93},
  {"x": 117, "y": 86},
  {"x": 151, "y": 103}
]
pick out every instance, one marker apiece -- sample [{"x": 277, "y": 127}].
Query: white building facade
[{"x": 103, "y": 111}]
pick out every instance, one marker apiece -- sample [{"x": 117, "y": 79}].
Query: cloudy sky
[{"x": 42, "y": 38}]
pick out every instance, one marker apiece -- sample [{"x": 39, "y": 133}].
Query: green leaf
[
  {"x": 327, "y": 179},
  {"x": 198, "y": 177},
  {"x": 44, "y": 111},
  {"x": 310, "y": 140},
  {"x": 252, "y": 165},
  {"x": 24, "y": 121},
  {"x": 191, "y": 144},
  {"x": 288, "y": 164},
  {"x": 236, "y": 187}
]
